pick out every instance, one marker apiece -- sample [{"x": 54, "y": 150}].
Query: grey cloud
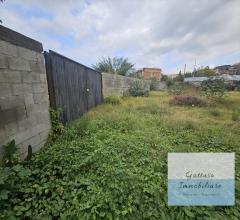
[{"x": 147, "y": 31}]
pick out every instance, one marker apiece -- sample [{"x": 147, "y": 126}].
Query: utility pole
[
  {"x": 184, "y": 71},
  {"x": 194, "y": 67}
]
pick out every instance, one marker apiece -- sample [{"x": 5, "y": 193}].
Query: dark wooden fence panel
[
  {"x": 94, "y": 88},
  {"x": 73, "y": 87}
]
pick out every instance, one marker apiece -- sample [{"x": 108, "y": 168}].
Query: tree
[
  {"x": 204, "y": 71},
  {"x": 188, "y": 74},
  {"x": 164, "y": 78},
  {"x": 179, "y": 77},
  {"x": 115, "y": 65}
]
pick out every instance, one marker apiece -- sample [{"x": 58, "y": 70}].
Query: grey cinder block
[
  {"x": 16, "y": 63},
  {"x": 40, "y": 98},
  {"x": 3, "y": 136},
  {"x": 28, "y": 99},
  {"x": 27, "y": 54},
  {"x": 36, "y": 108},
  {"x": 30, "y": 77},
  {"x": 24, "y": 101},
  {"x": 7, "y": 116},
  {"x": 27, "y": 123},
  {"x": 3, "y": 62},
  {"x": 43, "y": 78},
  {"x": 9, "y": 76},
  {"x": 5, "y": 89},
  {"x": 11, "y": 128},
  {"x": 19, "y": 89},
  {"x": 9, "y": 102},
  {"x": 35, "y": 66},
  {"x": 8, "y": 49},
  {"x": 40, "y": 88}
]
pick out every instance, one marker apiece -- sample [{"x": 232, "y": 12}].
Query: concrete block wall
[
  {"x": 159, "y": 86},
  {"x": 116, "y": 85},
  {"x": 24, "y": 101}
]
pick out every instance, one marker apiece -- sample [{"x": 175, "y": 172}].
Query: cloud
[{"x": 160, "y": 33}]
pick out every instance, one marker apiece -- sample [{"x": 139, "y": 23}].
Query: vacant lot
[{"x": 112, "y": 163}]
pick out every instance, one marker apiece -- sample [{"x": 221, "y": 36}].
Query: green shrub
[
  {"x": 176, "y": 89},
  {"x": 13, "y": 176},
  {"x": 12, "y": 183},
  {"x": 114, "y": 100},
  {"x": 10, "y": 155},
  {"x": 153, "y": 80},
  {"x": 57, "y": 126},
  {"x": 139, "y": 88},
  {"x": 213, "y": 88},
  {"x": 169, "y": 82}
]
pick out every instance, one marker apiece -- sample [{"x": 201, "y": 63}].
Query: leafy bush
[
  {"x": 114, "y": 100},
  {"x": 176, "y": 89},
  {"x": 12, "y": 183},
  {"x": 153, "y": 80},
  {"x": 139, "y": 88},
  {"x": 169, "y": 82},
  {"x": 13, "y": 175},
  {"x": 10, "y": 156},
  {"x": 188, "y": 101},
  {"x": 57, "y": 127},
  {"x": 213, "y": 88}
]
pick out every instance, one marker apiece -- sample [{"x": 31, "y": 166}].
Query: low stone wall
[
  {"x": 114, "y": 84},
  {"x": 159, "y": 86},
  {"x": 24, "y": 101}
]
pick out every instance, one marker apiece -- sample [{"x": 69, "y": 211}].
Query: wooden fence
[{"x": 73, "y": 87}]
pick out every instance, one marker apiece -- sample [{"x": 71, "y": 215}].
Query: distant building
[
  {"x": 228, "y": 79},
  {"x": 228, "y": 69},
  {"x": 149, "y": 73}
]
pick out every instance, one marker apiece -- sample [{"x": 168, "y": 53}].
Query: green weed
[
  {"x": 114, "y": 100},
  {"x": 216, "y": 113},
  {"x": 112, "y": 163}
]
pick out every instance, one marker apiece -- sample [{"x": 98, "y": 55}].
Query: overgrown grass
[
  {"x": 112, "y": 163},
  {"x": 114, "y": 100}
]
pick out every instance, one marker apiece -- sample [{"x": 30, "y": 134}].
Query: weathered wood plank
[{"x": 74, "y": 87}]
